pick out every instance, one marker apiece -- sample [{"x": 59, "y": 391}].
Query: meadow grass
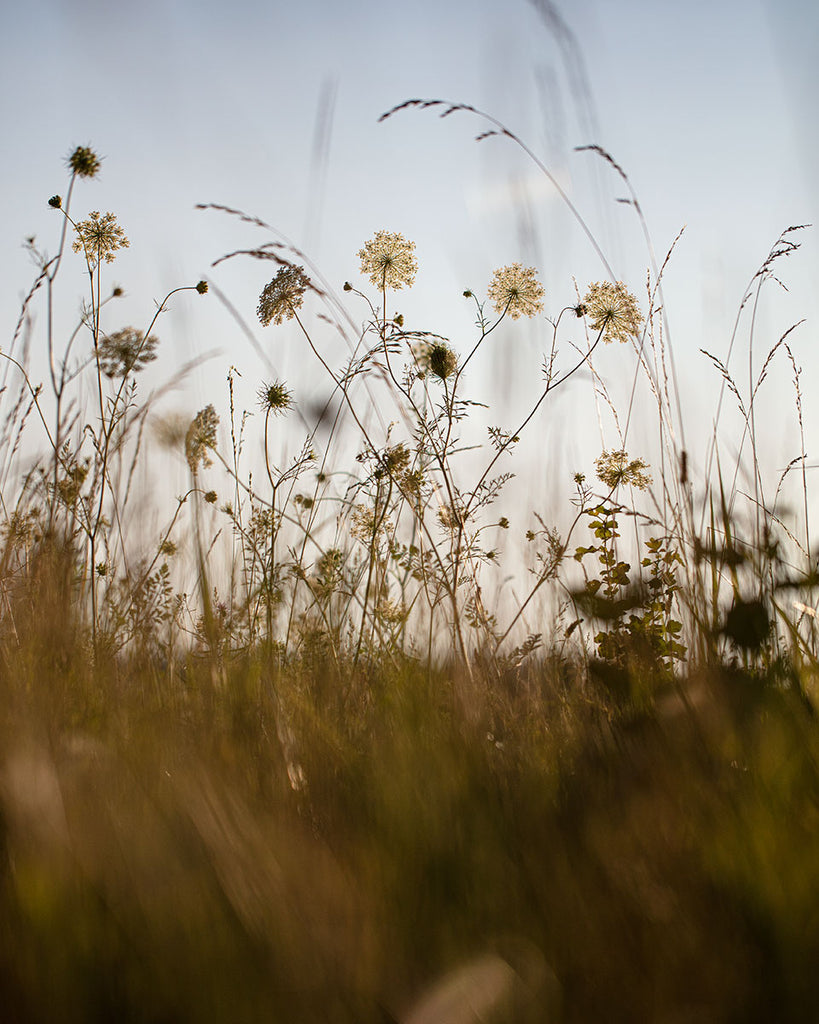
[{"x": 311, "y": 772}]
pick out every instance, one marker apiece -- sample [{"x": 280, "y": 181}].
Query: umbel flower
[
  {"x": 388, "y": 260},
  {"x": 126, "y": 351},
  {"x": 275, "y": 397},
  {"x": 614, "y": 468},
  {"x": 515, "y": 290},
  {"x": 283, "y": 295},
  {"x": 435, "y": 357},
  {"x": 612, "y": 309},
  {"x": 84, "y": 162},
  {"x": 99, "y": 237},
  {"x": 201, "y": 438}
]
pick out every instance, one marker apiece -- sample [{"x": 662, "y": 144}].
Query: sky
[{"x": 273, "y": 109}]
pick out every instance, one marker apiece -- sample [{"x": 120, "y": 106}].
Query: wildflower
[
  {"x": 99, "y": 237},
  {"x": 202, "y": 287},
  {"x": 126, "y": 351},
  {"x": 614, "y": 468},
  {"x": 275, "y": 397},
  {"x": 396, "y": 459},
  {"x": 388, "y": 260},
  {"x": 515, "y": 290},
  {"x": 392, "y": 612},
  {"x": 435, "y": 357},
  {"x": 200, "y": 437},
  {"x": 84, "y": 162},
  {"x": 365, "y": 524},
  {"x": 56, "y": 202},
  {"x": 329, "y": 567},
  {"x": 210, "y": 497},
  {"x": 283, "y": 295},
  {"x": 613, "y": 310}
]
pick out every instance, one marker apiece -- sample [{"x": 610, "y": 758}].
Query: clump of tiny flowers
[
  {"x": 126, "y": 351},
  {"x": 515, "y": 290},
  {"x": 614, "y": 468},
  {"x": 365, "y": 525},
  {"x": 283, "y": 295},
  {"x": 388, "y": 260},
  {"x": 201, "y": 438},
  {"x": 84, "y": 162},
  {"x": 275, "y": 397},
  {"x": 99, "y": 237},
  {"x": 612, "y": 309}
]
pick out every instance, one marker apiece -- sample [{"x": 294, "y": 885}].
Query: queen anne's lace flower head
[
  {"x": 612, "y": 309},
  {"x": 388, "y": 260},
  {"x": 283, "y": 295},
  {"x": 614, "y": 468},
  {"x": 435, "y": 357},
  {"x": 516, "y": 290},
  {"x": 126, "y": 351},
  {"x": 201, "y": 438},
  {"x": 99, "y": 237}
]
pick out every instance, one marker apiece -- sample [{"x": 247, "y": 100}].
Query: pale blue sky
[{"x": 709, "y": 106}]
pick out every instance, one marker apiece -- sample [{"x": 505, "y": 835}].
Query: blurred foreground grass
[{"x": 247, "y": 842}]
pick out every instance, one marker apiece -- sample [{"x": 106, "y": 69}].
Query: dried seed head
[
  {"x": 84, "y": 162},
  {"x": 275, "y": 397}
]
